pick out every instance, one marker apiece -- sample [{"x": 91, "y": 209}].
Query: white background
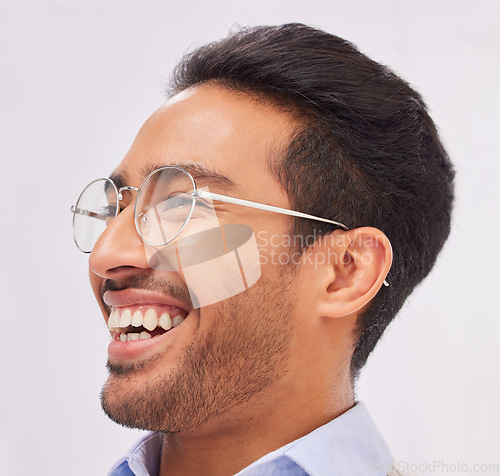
[{"x": 77, "y": 79}]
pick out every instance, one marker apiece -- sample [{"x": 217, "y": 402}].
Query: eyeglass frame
[{"x": 196, "y": 193}]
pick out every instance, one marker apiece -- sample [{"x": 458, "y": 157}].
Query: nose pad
[
  {"x": 119, "y": 251},
  {"x": 144, "y": 224}
]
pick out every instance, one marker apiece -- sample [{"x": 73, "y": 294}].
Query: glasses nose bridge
[{"x": 124, "y": 189}]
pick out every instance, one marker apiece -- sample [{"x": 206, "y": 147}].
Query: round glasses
[{"x": 164, "y": 204}]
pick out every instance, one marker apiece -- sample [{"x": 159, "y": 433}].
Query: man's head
[
  {"x": 296, "y": 118},
  {"x": 364, "y": 150}
]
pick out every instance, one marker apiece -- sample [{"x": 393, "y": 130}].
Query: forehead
[{"x": 229, "y": 133}]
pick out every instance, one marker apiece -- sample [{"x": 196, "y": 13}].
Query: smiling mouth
[{"x": 130, "y": 323}]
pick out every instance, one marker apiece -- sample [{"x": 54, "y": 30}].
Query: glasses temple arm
[
  {"x": 261, "y": 206},
  {"x": 269, "y": 208}
]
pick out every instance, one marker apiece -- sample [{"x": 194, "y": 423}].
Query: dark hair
[{"x": 365, "y": 152}]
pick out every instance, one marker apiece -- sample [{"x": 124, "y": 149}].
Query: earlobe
[{"x": 363, "y": 257}]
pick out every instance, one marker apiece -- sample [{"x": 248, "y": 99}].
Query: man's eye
[
  {"x": 177, "y": 201},
  {"x": 109, "y": 211}
]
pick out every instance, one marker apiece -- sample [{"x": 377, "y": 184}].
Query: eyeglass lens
[
  {"x": 94, "y": 209},
  {"x": 163, "y": 207}
]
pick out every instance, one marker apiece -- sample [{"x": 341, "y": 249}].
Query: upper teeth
[{"x": 149, "y": 319}]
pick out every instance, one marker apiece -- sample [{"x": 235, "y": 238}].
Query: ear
[{"x": 358, "y": 263}]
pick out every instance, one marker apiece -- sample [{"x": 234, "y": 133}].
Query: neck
[{"x": 243, "y": 435}]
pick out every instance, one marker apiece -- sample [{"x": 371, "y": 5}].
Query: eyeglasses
[{"x": 166, "y": 201}]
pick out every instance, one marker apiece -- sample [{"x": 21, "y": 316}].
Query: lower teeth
[
  {"x": 134, "y": 336},
  {"x": 128, "y": 336}
]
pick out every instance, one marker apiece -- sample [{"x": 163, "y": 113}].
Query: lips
[
  {"x": 140, "y": 297},
  {"x": 143, "y": 322},
  {"x": 139, "y": 318}
]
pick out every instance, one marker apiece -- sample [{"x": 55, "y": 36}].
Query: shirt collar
[
  {"x": 143, "y": 459},
  {"x": 349, "y": 444}
]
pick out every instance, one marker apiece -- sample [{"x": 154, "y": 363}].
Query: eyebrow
[
  {"x": 200, "y": 172},
  {"x": 119, "y": 179}
]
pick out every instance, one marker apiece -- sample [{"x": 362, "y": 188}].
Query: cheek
[{"x": 276, "y": 249}]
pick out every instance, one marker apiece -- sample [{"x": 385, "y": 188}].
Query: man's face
[{"x": 226, "y": 357}]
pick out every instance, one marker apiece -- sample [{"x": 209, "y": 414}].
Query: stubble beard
[{"x": 244, "y": 353}]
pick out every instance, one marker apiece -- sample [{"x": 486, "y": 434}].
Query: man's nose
[{"x": 119, "y": 252}]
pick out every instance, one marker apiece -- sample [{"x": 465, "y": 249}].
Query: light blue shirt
[{"x": 348, "y": 445}]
